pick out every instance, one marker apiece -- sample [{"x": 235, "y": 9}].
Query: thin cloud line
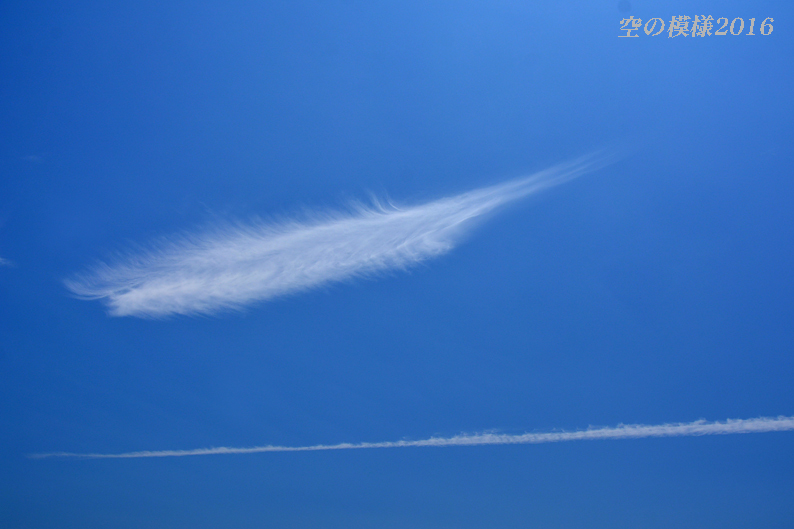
[
  {"x": 234, "y": 266},
  {"x": 622, "y": 431}
]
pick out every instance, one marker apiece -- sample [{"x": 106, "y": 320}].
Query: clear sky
[{"x": 216, "y": 157}]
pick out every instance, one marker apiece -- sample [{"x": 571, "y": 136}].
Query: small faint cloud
[
  {"x": 5, "y": 262},
  {"x": 34, "y": 158}
]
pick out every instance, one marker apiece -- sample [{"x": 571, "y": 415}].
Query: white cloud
[
  {"x": 630, "y": 431},
  {"x": 230, "y": 267},
  {"x": 5, "y": 262}
]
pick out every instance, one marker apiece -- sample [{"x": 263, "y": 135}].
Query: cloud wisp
[
  {"x": 231, "y": 267},
  {"x": 629, "y": 431}
]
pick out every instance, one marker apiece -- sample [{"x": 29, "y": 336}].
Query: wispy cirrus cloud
[
  {"x": 630, "y": 431},
  {"x": 5, "y": 262},
  {"x": 228, "y": 268}
]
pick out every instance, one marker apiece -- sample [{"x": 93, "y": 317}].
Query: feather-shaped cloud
[{"x": 228, "y": 268}]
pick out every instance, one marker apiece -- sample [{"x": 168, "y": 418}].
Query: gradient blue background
[{"x": 658, "y": 289}]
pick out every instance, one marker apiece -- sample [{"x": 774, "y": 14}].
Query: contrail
[
  {"x": 627, "y": 431},
  {"x": 231, "y": 267}
]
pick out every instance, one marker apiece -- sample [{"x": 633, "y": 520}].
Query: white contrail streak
[
  {"x": 234, "y": 266},
  {"x": 628, "y": 431}
]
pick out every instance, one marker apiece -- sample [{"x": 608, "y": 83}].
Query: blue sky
[{"x": 655, "y": 289}]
